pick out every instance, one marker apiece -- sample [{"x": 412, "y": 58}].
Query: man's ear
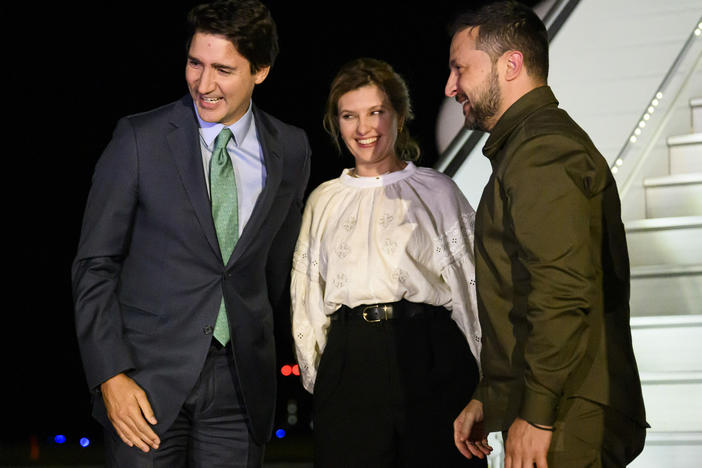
[
  {"x": 515, "y": 64},
  {"x": 261, "y": 74}
]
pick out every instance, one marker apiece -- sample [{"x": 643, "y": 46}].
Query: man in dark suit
[
  {"x": 559, "y": 375},
  {"x": 185, "y": 248}
]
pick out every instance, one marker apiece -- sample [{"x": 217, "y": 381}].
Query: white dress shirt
[{"x": 367, "y": 240}]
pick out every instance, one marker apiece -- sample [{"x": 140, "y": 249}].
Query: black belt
[{"x": 374, "y": 313}]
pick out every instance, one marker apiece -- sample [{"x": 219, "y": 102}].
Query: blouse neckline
[{"x": 377, "y": 181}]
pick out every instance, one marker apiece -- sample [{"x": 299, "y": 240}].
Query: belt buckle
[{"x": 376, "y": 306}]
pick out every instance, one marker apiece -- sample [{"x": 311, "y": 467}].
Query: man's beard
[{"x": 485, "y": 106}]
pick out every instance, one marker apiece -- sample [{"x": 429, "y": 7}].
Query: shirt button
[{"x": 207, "y": 330}]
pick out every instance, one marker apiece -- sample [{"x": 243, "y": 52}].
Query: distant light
[
  {"x": 697, "y": 32},
  {"x": 286, "y": 370},
  {"x": 292, "y": 406},
  {"x": 651, "y": 109},
  {"x": 642, "y": 124},
  {"x": 637, "y": 132},
  {"x": 60, "y": 439},
  {"x": 632, "y": 139},
  {"x": 615, "y": 170},
  {"x": 659, "y": 95},
  {"x": 280, "y": 433},
  {"x": 84, "y": 442},
  {"x": 655, "y": 102},
  {"x": 296, "y": 369},
  {"x": 646, "y": 116},
  {"x": 292, "y": 419},
  {"x": 620, "y": 162},
  {"x": 33, "y": 448}
]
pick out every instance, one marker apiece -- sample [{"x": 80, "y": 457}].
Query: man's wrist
[{"x": 541, "y": 427}]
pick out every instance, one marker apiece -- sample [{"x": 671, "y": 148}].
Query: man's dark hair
[
  {"x": 509, "y": 25},
  {"x": 247, "y": 24}
]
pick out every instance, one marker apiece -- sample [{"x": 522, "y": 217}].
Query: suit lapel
[
  {"x": 185, "y": 148},
  {"x": 272, "y": 158}
]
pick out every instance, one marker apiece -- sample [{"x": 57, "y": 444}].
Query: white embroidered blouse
[{"x": 367, "y": 240}]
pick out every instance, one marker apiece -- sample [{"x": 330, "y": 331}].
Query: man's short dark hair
[
  {"x": 509, "y": 25},
  {"x": 247, "y": 24}
]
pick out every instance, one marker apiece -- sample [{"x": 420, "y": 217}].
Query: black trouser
[
  {"x": 387, "y": 393},
  {"x": 209, "y": 432}
]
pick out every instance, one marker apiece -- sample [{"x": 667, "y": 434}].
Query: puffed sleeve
[
  {"x": 309, "y": 320},
  {"x": 458, "y": 271}
]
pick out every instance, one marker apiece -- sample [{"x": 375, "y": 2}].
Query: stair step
[
  {"x": 666, "y": 290},
  {"x": 685, "y": 153},
  {"x": 665, "y": 241},
  {"x": 674, "y": 195},
  {"x": 670, "y": 449},
  {"x": 696, "y": 106},
  {"x": 673, "y": 400},
  {"x": 670, "y": 343}
]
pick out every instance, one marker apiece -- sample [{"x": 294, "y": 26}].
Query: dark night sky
[{"x": 74, "y": 69}]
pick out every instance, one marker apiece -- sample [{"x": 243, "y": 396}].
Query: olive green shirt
[{"x": 552, "y": 272}]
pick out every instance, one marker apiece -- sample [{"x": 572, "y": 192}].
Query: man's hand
[
  {"x": 127, "y": 406},
  {"x": 527, "y": 445},
  {"x": 468, "y": 433}
]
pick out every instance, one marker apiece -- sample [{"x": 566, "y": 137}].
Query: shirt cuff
[
  {"x": 538, "y": 408},
  {"x": 479, "y": 393}
]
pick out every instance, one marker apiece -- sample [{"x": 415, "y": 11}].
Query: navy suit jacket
[{"x": 148, "y": 276}]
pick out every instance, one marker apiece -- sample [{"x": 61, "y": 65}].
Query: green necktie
[{"x": 224, "y": 213}]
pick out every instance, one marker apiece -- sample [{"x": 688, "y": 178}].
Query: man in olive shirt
[{"x": 559, "y": 375}]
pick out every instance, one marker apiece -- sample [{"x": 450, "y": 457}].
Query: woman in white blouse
[{"x": 384, "y": 310}]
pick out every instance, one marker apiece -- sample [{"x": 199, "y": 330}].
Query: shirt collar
[
  {"x": 240, "y": 128},
  {"x": 515, "y": 115},
  {"x": 377, "y": 181}
]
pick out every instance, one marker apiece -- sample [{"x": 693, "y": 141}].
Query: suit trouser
[
  {"x": 387, "y": 393},
  {"x": 210, "y": 430}
]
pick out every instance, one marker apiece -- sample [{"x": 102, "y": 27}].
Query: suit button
[{"x": 207, "y": 330}]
